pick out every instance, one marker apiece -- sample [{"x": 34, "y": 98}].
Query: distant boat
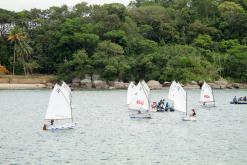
[
  {"x": 207, "y": 95},
  {"x": 180, "y": 102},
  {"x": 131, "y": 92},
  {"x": 59, "y": 111},
  {"x": 141, "y": 101}
]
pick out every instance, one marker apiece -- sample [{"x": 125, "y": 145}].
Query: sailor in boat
[
  {"x": 193, "y": 114},
  {"x": 161, "y": 104},
  {"x": 245, "y": 98},
  {"x": 45, "y": 125},
  {"x": 240, "y": 99},
  {"x": 154, "y": 105},
  {"x": 235, "y": 100},
  {"x": 169, "y": 107}
]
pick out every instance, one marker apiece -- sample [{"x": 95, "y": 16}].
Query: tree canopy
[{"x": 152, "y": 39}]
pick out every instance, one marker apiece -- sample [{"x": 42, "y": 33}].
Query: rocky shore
[
  {"x": 153, "y": 84},
  {"x": 38, "y": 82}
]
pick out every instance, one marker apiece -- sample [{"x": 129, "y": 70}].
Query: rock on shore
[{"x": 152, "y": 84}]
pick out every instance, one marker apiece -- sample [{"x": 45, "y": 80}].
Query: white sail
[
  {"x": 140, "y": 101},
  {"x": 145, "y": 86},
  {"x": 131, "y": 92},
  {"x": 67, "y": 90},
  {"x": 59, "y": 106},
  {"x": 172, "y": 89},
  {"x": 180, "y": 99},
  {"x": 206, "y": 93}
]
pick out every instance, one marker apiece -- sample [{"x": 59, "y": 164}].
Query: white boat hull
[
  {"x": 189, "y": 118},
  {"x": 62, "y": 126},
  {"x": 141, "y": 116}
]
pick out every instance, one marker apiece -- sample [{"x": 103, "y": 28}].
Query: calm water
[{"x": 106, "y": 135}]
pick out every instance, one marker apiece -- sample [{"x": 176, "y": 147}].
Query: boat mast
[
  {"x": 213, "y": 96},
  {"x": 186, "y": 103}
]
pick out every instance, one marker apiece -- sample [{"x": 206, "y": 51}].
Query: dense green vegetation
[{"x": 152, "y": 39}]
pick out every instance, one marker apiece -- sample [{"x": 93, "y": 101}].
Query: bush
[{"x": 4, "y": 70}]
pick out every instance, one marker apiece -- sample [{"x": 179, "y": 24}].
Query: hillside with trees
[{"x": 152, "y": 39}]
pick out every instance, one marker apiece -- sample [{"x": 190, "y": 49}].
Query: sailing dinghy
[
  {"x": 141, "y": 102},
  {"x": 207, "y": 94},
  {"x": 59, "y": 110},
  {"x": 180, "y": 102}
]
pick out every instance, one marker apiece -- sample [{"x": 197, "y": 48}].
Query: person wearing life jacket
[{"x": 154, "y": 105}]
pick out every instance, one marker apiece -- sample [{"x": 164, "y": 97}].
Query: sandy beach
[{"x": 22, "y": 86}]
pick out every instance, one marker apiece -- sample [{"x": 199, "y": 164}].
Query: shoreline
[
  {"x": 48, "y": 81},
  {"x": 8, "y": 86}
]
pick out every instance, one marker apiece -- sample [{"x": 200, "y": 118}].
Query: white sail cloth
[
  {"x": 67, "y": 90},
  {"x": 206, "y": 93},
  {"x": 140, "y": 100},
  {"x": 180, "y": 100},
  {"x": 59, "y": 106},
  {"x": 172, "y": 89},
  {"x": 131, "y": 92}
]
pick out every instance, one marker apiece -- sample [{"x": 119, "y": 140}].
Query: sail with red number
[{"x": 206, "y": 94}]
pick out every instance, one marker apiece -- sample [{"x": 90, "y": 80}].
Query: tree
[
  {"x": 17, "y": 37},
  {"x": 76, "y": 67},
  {"x": 235, "y": 65},
  {"x": 204, "y": 41}
]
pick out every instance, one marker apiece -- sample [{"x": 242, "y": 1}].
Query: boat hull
[
  {"x": 141, "y": 116},
  {"x": 242, "y": 102},
  {"x": 62, "y": 126},
  {"x": 165, "y": 110},
  {"x": 189, "y": 118}
]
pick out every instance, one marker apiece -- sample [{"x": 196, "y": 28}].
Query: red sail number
[
  {"x": 206, "y": 96},
  {"x": 141, "y": 102}
]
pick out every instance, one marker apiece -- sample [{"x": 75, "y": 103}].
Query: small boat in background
[
  {"x": 240, "y": 100},
  {"x": 141, "y": 102},
  {"x": 207, "y": 96}
]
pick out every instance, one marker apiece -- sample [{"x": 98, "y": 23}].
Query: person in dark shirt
[
  {"x": 193, "y": 113},
  {"x": 52, "y": 122},
  {"x": 235, "y": 99}
]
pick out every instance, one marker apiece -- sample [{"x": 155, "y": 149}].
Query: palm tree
[
  {"x": 23, "y": 51},
  {"x": 21, "y": 47}
]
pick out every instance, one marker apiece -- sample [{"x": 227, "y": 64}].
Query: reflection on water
[{"x": 106, "y": 134}]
